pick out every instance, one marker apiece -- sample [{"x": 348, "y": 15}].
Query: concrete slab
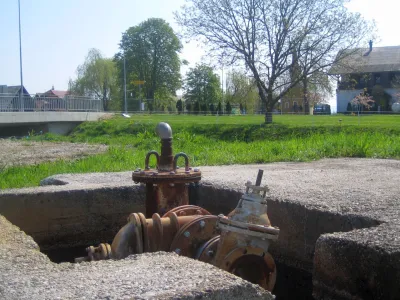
[
  {"x": 339, "y": 218},
  {"x": 26, "y": 273}
]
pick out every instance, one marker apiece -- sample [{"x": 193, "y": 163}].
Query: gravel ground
[{"x": 28, "y": 152}]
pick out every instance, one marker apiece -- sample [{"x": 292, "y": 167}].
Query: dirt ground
[{"x": 27, "y": 152}]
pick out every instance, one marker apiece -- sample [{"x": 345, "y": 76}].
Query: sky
[{"x": 57, "y": 34}]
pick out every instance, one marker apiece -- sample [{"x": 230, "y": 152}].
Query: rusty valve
[
  {"x": 166, "y": 185},
  {"x": 246, "y": 234}
]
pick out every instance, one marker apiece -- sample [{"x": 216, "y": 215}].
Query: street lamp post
[
  {"x": 21, "y": 102},
  {"x": 222, "y": 85},
  {"x": 126, "y": 105}
]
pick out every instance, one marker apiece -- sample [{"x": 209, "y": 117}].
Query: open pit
[{"x": 338, "y": 218}]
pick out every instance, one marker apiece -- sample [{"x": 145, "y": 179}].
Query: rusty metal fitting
[
  {"x": 103, "y": 251},
  {"x": 246, "y": 234},
  {"x": 166, "y": 185},
  {"x": 149, "y": 235},
  {"x": 188, "y": 210},
  {"x": 194, "y": 235}
]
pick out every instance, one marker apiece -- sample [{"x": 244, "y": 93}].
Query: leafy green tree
[
  {"x": 179, "y": 106},
  {"x": 196, "y": 107},
  {"x": 228, "y": 108},
  {"x": 212, "y": 109},
  {"x": 189, "y": 107},
  {"x": 240, "y": 89},
  {"x": 202, "y": 85},
  {"x": 151, "y": 52},
  {"x": 349, "y": 107},
  {"x": 219, "y": 108},
  {"x": 97, "y": 77},
  {"x": 381, "y": 98}
]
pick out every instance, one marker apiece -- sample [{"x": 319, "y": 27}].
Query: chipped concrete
[
  {"x": 28, "y": 274},
  {"x": 339, "y": 218}
]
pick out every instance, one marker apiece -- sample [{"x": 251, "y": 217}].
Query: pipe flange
[
  {"x": 252, "y": 264},
  {"x": 146, "y": 245},
  {"x": 194, "y": 234},
  {"x": 134, "y": 218},
  {"x": 206, "y": 252},
  {"x": 187, "y": 210}
]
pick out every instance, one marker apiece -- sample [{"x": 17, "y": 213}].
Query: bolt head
[
  {"x": 187, "y": 234},
  {"x": 202, "y": 224},
  {"x": 172, "y": 173},
  {"x": 178, "y": 251},
  {"x": 196, "y": 170},
  {"x": 210, "y": 253}
]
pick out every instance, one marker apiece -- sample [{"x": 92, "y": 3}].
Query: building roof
[
  {"x": 362, "y": 60},
  {"x": 14, "y": 89},
  {"x": 60, "y": 94},
  {"x": 54, "y": 93}
]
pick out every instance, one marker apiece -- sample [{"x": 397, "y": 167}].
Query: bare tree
[{"x": 270, "y": 36}]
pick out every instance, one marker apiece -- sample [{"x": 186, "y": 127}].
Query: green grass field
[{"x": 211, "y": 140}]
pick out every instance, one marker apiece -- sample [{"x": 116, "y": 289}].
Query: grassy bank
[{"x": 220, "y": 140}]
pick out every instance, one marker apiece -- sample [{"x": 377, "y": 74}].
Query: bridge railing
[{"x": 12, "y": 103}]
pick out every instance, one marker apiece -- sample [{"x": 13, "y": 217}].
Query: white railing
[{"x": 12, "y": 103}]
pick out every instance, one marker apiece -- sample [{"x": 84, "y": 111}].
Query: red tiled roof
[
  {"x": 60, "y": 94},
  {"x": 55, "y": 93}
]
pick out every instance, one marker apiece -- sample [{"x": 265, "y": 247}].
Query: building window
[{"x": 377, "y": 78}]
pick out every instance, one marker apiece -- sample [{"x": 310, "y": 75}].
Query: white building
[{"x": 373, "y": 69}]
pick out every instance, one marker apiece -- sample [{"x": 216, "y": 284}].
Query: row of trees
[{"x": 280, "y": 45}]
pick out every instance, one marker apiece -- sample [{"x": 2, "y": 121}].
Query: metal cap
[{"x": 164, "y": 131}]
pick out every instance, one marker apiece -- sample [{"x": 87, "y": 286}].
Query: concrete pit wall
[
  {"x": 348, "y": 250},
  {"x": 65, "y": 221}
]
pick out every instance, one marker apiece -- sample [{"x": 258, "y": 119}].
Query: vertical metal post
[
  {"x": 222, "y": 84},
  {"x": 126, "y": 105},
  {"x": 140, "y": 97},
  {"x": 21, "y": 92}
]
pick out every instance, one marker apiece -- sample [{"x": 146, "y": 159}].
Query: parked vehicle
[{"x": 322, "y": 109}]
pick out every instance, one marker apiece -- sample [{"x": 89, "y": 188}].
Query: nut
[{"x": 187, "y": 234}]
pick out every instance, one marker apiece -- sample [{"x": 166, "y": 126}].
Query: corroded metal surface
[
  {"x": 245, "y": 237},
  {"x": 237, "y": 243},
  {"x": 194, "y": 234},
  {"x": 153, "y": 234},
  {"x": 166, "y": 185}
]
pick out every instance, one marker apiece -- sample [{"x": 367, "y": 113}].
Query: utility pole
[
  {"x": 222, "y": 87},
  {"x": 21, "y": 92},
  {"x": 126, "y": 105}
]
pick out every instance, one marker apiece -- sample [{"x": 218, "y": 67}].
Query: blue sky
[{"x": 57, "y": 34}]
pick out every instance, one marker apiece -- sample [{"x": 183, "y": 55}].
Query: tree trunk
[
  {"x": 305, "y": 99},
  {"x": 268, "y": 109}
]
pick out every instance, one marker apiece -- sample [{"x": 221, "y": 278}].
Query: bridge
[{"x": 34, "y": 113}]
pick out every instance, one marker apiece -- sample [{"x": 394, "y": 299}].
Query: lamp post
[
  {"x": 126, "y": 105},
  {"x": 21, "y": 102},
  {"x": 222, "y": 86}
]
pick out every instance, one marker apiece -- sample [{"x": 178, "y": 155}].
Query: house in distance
[{"x": 375, "y": 70}]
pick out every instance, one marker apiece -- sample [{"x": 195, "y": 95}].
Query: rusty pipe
[{"x": 145, "y": 235}]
